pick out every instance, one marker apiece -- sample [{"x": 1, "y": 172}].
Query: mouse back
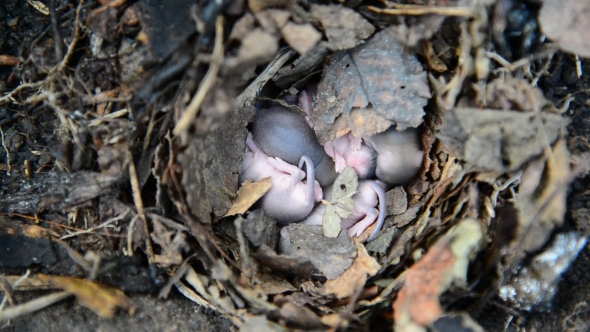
[{"x": 284, "y": 134}]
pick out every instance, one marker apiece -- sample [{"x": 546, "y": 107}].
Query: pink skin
[
  {"x": 289, "y": 199},
  {"x": 307, "y": 100},
  {"x": 364, "y": 214},
  {"x": 348, "y": 150}
]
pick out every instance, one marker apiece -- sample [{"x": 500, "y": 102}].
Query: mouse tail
[
  {"x": 310, "y": 179},
  {"x": 381, "y": 196}
]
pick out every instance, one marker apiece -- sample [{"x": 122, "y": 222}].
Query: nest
[{"x": 480, "y": 224}]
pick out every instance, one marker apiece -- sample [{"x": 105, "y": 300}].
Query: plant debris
[{"x": 123, "y": 131}]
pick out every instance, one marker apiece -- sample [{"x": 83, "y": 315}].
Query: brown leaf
[
  {"x": 248, "y": 195},
  {"x": 355, "y": 277},
  {"x": 417, "y": 303},
  {"x": 568, "y": 23},
  {"x": 380, "y": 73},
  {"x": 344, "y": 27},
  {"x": 101, "y": 299},
  {"x": 495, "y": 140},
  {"x": 301, "y": 37}
]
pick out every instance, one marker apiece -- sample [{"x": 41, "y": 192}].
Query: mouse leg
[
  {"x": 283, "y": 166},
  {"x": 250, "y": 143},
  {"x": 358, "y": 228}
]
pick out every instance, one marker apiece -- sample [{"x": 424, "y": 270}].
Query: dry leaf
[
  {"x": 248, "y": 194},
  {"x": 417, "y": 304},
  {"x": 567, "y": 22},
  {"x": 101, "y": 299},
  {"x": 495, "y": 140},
  {"x": 344, "y": 27},
  {"x": 380, "y": 73},
  {"x": 355, "y": 277},
  {"x": 301, "y": 37},
  {"x": 341, "y": 202}
]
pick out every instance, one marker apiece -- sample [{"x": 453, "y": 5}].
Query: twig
[
  {"x": 578, "y": 66},
  {"x": 14, "y": 286},
  {"x": 8, "y": 60},
  {"x": 130, "y": 235},
  {"x": 139, "y": 205},
  {"x": 91, "y": 229},
  {"x": 62, "y": 65},
  {"x": 59, "y": 50},
  {"x": 7, "y": 152},
  {"x": 414, "y": 10},
  {"x": 193, "y": 108},
  {"x": 32, "y": 306}
]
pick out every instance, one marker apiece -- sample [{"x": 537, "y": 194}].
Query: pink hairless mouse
[
  {"x": 394, "y": 157},
  {"x": 364, "y": 214},
  {"x": 289, "y": 199}
]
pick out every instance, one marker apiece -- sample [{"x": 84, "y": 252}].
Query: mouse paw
[{"x": 356, "y": 230}]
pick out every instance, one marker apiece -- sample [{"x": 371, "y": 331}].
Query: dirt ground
[{"x": 114, "y": 175}]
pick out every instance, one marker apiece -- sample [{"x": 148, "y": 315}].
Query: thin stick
[
  {"x": 139, "y": 205},
  {"x": 7, "y": 152},
  {"x": 62, "y": 65},
  {"x": 193, "y": 108},
  {"x": 32, "y": 306},
  {"x": 91, "y": 229},
  {"x": 409, "y": 10}
]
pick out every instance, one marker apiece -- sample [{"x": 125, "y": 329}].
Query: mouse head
[{"x": 363, "y": 161}]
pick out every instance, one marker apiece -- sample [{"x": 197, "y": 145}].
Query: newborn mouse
[
  {"x": 348, "y": 150},
  {"x": 289, "y": 199},
  {"x": 286, "y": 135},
  {"x": 369, "y": 194},
  {"x": 399, "y": 155},
  {"x": 394, "y": 157}
]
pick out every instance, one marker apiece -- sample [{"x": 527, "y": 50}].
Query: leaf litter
[{"x": 155, "y": 155}]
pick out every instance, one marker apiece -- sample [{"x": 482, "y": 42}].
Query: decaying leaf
[
  {"x": 380, "y": 73},
  {"x": 331, "y": 256},
  {"x": 417, "y": 304},
  {"x": 567, "y": 22},
  {"x": 499, "y": 141},
  {"x": 301, "y": 37},
  {"x": 344, "y": 27},
  {"x": 342, "y": 203},
  {"x": 355, "y": 277},
  {"x": 101, "y": 299},
  {"x": 212, "y": 165},
  {"x": 536, "y": 284},
  {"x": 248, "y": 194}
]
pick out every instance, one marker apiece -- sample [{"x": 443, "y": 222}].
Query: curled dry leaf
[
  {"x": 417, "y": 304},
  {"x": 355, "y": 277},
  {"x": 101, "y": 299},
  {"x": 248, "y": 195},
  {"x": 567, "y": 22},
  {"x": 380, "y": 73}
]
